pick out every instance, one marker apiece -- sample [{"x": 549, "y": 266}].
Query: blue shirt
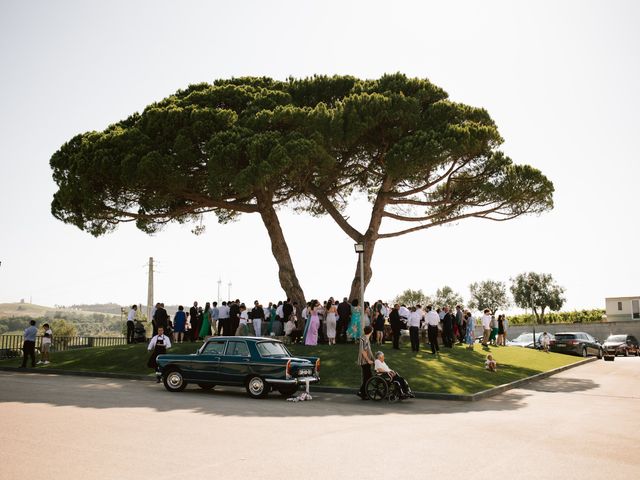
[
  {"x": 30, "y": 334},
  {"x": 215, "y": 313}
]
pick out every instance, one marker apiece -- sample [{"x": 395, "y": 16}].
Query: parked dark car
[
  {"x": 255, "y": 363},
  {"x": 577, "y": 343},
  {"x": 621, "y": 345}
]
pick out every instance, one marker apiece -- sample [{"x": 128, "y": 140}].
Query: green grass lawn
[{"x": 457, "y": 370}]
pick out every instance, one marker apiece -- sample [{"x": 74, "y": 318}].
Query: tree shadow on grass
[{"x": 99, "y": 393}]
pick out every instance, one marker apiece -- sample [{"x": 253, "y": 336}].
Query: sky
[{"x": 558, "y": 77}]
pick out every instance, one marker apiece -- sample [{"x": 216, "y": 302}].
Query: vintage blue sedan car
[{"x": 255, "y": 363}]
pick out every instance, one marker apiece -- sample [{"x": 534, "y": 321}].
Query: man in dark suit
[
  {"x": 161, "y": 317},
  {"x": 344, "y": 315},
  {"x": 234, "y": 316},
  {"x": 396, "y": 325},
  {"x": 193, "y": 319},
  {"x": 447, "y": 328},
  {"x": 287, "y": 310}
]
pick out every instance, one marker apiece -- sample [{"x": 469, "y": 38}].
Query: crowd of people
[{"x": 328, "y": 322}]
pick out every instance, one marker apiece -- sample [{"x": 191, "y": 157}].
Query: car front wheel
[
  {"x": 600, "y": 353},
  {"x": 626, "y": 352},
  {"x": 174, "y": 381},
  {"x": 584, "y": 351},
  {"x": 256, "y": 387}
]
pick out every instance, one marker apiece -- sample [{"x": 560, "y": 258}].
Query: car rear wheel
[
  {"x": 626, "y": 352},
  {"x": 206, "y": 386},
  {"x": 256, "y": 387},
  {"x": 584, "y": 351},
  {"x": 174, "y": 381},
  {"x": 288, "y": 390}
]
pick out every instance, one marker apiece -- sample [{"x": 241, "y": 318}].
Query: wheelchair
[{"x": 381, "y": 387}]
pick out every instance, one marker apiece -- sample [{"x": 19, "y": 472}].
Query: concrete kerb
[
  {"x": 80, "y": 373},
  {"x": 423, "y": 395}
]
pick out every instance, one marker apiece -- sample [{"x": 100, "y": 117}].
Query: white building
[{"x": 621, "y": 309}]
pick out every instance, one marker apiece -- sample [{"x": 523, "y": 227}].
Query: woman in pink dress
[{"x": 311, "y": 338}]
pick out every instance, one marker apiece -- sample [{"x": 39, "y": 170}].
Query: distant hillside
[
  {"x": 32, "y": 310},
  {"x": 15, "y": 316},
  {"x": 112, "y": 308}
]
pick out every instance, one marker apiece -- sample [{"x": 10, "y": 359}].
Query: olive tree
[
  {"x": 489, "y": 294},
  {"x": 537, "y": 291}
]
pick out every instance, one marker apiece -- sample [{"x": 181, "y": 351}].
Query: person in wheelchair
[{"x": 383, "y": 369}]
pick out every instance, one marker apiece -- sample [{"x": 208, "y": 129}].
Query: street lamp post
[
  {"x": 533, "y": 315},
  {"x": 359, "y": 247}
]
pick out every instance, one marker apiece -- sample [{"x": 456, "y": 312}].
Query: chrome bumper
[{"x": 292, "y": 381}]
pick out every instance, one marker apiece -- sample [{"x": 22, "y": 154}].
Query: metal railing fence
[{"x": 11, "y": 345}]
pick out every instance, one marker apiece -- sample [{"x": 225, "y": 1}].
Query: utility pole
[
  {"x": 219, "y": 283},
  {"x": 229, "y": 291},
  {"x": 150, "y": 290}
]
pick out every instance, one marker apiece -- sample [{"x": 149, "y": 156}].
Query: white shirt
[
  {"x": 433, "y": 318},
  {"x": 404, "y": 312},
  {"x": 244, "y": 317},
  {"x": 280, "y": 311},
  {"x": 381, "y": 366},
  {"x": 414, "y": 319},
  {"x": 486, "y": 322},
  {"x": 223, "y": 311},
  {"x": 46, "y": 340},
  {"x": 132, "y": 315},
  {"x": 154, "y": 340}
]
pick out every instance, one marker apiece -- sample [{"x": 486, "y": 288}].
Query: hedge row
[{"x": 576, "y": 316}]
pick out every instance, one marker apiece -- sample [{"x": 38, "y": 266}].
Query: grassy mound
[{"x": 456, "y": 370}]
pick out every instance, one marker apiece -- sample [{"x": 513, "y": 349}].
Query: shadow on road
[
  {"x": 67, "y": 391},
  {"x": 561, "y": 385}
]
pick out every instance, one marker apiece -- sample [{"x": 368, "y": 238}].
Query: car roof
[{"x": 251, "y": 339}]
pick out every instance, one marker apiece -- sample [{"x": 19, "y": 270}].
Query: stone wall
[{"x": 600, "y": 330}]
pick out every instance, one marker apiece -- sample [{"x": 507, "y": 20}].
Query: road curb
[
  {"x": 80, "y": 373},
  {"x": 341, "y": 390},
  {"x": 523, "y": 381}
]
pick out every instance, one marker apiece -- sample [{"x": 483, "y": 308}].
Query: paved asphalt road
[{"x": 582, "y": 424}]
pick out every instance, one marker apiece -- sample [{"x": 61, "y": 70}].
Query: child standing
[{"x": 45, "y": 346}]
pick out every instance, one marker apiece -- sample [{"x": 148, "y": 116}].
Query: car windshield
[
  {"x": 617, "y": 338},
  {"x": 272, "y": 349},
  {"x": 524, "y": 337},
  {"x": 565, "y": 336}
]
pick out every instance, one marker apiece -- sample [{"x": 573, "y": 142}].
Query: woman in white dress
[{"x": 332, "y": 311}]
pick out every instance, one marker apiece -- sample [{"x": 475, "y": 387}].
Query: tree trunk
[
  {"x": 287, "y": 274},
  {"x": 369, "y": 239}
]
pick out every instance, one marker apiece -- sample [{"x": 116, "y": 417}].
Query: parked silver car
[{"x": 526, "y": 340}]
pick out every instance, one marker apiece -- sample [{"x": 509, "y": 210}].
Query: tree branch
[{"x": 330, "y": 208}]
